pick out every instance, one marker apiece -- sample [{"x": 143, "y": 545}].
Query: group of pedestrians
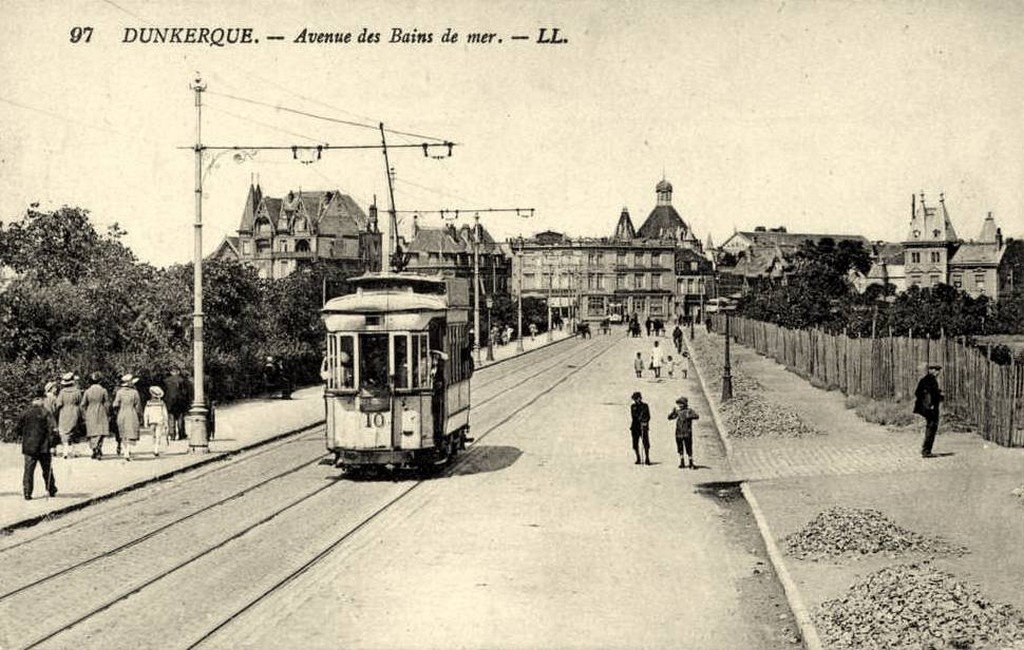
[
  {"x": 658, "y": 360},
  {"x": 61, "y": 413},
  {"x": 640, "y": 423}
]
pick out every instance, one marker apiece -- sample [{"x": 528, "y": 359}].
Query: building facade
[
  {"x": 449, "y": 251},
  {"x": 280, "y": 235}
]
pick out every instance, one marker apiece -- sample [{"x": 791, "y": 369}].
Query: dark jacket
[
  {"x": 684, "y": 421},
  {"x": 34, "y": 428},
  {"x": 177, "y": 393},
  {"x": 927, "y": 397},
  {"x": 640, "y": 416}
]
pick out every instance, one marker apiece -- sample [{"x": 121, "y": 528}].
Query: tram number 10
[{"x": 376, "y": 418}]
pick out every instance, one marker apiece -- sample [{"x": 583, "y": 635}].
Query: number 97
[{"x": 81, "y": 34}]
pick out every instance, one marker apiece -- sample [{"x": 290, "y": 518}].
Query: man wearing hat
[
  {"x": 928, "y": 396},
  {"x": 639, "y": 426},
  {"x": 96, "y": 411},
  {"x": 179, "y": 393},
  {"x": 68, "y": 411},
  {"x": 684, "y": 417},
  {"x": 34, "y": 428}
]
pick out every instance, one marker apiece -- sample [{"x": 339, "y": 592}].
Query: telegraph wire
[{"x": 57, "y": 116}]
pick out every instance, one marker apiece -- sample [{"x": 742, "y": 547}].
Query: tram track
[
  {"x": 337, "y": 543},
  {"x": 137, "y": 586}
]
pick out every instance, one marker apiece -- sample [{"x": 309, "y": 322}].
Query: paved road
[{"x": 544, "y": 535}]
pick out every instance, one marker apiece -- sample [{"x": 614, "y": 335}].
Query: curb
[
  {"x": 808, "y": 632},
  {"x": 212, "y": 458},
  {"x": 488, "y": 364}
]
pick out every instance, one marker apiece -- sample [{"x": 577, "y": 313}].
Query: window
[
  {"x": 246, "y": 247},
  {"x": 936, "y": 257},
  {"x": 639, "y": 259},
  {"x": 302, "y": 246},
  {"x": 599, "y": 258},
  {"x": 693, "y": 266},
  {"x": 300, "y": 225},
  {"x": 595, "y": 306},
  {"x": 373, "y": 362},
  {"x": 590, "y": 281},
  {"x": 620, "y": 281},
  {"x": 263, "y": 227},
  {"x": 638, "y": 280},
  {"x": 529, "y": 281},
  {"x": 600, "y": 282},
  {"x": 915, "y": 280},
  {"x": 401, "y": 356},
  {"x": 338, "y": 366},
  {"x": 958, "y": 280},
  {"x": 915, "y": 258},
  {"x": 262, "y": 247},
  {"x": 689, "y": 286},
  {"x": 621, "y": 258},
  {"x": 979, "y": 280},
  {"x": 656, "y": 281},
  {"x": 935, "y": 279}
]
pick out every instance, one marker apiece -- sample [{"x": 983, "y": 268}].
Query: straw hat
[
  {"x": 128, "y": 379},
  {"x": 67, "y": 379},
  {"x": 156, "y": 391},
  {"x": 50, "y": 385}
]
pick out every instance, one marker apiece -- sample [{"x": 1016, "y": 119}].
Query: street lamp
[
  {"x": 490, "y": 330},
  {"x": 195, "y": 421},
  {"x": 727, "y": 369}
]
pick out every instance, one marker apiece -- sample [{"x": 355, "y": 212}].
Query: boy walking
[
  {"x": 639, "y": 427},
  {"x": 684, "y": 417},
  {"x": 638, "y": 365}
]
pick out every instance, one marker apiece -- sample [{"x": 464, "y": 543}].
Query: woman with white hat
[
  {"x": 68, "y": 409},
  {"x": 156, "y": 418},
  {"x": 128, "y": 405}
]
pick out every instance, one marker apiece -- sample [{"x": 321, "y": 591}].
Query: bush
[{"x": 895, "y": 413}]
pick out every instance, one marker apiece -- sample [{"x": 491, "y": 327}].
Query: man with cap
[
  {"x": 639, "y": 427},
  {"x": 684, "y": 417},
  {"x": 178, "y": 393},
  {"x": 927, "y": 398},
  {"x": 68, "y": 411},
  {"x": 33, "y": 426},
  {"x": 96, "y": 411}
]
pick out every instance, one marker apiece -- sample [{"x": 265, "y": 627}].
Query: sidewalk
[
  {"x": 963, "y": 496},
  {"x": 240, "y": 425}
]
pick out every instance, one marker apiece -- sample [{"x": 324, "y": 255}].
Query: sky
[{"x": 817, "y": 116}]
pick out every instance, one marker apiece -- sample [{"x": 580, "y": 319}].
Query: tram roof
[
  {"x": 386, "y": 301},
  {"x": 417, "y": 282}
]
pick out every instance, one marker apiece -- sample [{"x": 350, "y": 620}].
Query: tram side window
[
  {"x": 420, "y": 361},
  {"x": 338, "y": 369},
  {"x": 373, "y": 361},
  {"x": 401, "y": 361}
]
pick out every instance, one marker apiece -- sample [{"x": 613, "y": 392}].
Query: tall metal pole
[
  {"x": 391, "y": 247},
  {"x": 476, "y": 288},
  {"x": 727, "y": 370},
  {"x": 551, "y": 290},
  {"x": 198, "y": 440},
  {"x": 519, "y": 278}
]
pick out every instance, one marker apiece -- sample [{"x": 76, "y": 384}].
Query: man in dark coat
[
  {"x": 677, "y": 338},
  {"x": 928, "y": 396},
  {"x": 34, "y": 428},
  {"x": 177, "y": 393},
  {"x": 639, "y": 426}
]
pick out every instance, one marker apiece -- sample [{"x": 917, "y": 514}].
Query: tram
[{"x": 397, "y": 371}]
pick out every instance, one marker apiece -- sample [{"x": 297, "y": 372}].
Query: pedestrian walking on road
[
  {"x": 96, "y": 411},
  {"x": 156, "y": 418},
  {"x": 639, "y": 427},
  {"x": 128, "y": 406},
  {"x": 68, "y": 409},
  {"x": 649, "y": 325},
  {"x": 533, "y": 331},
  {"x": 677, "y": 338},
  {"x": 684, "y": 417},
  {"x": 178, "y": 391},
  {"x": 33, "y": 426},
  {"x": 928, "y": 396},
  {"x": 670, "y": 366},
  {"x": 638, "y": 365},
  {"x": 657, "y": 359},
  {"x": 50, "y": 404}
]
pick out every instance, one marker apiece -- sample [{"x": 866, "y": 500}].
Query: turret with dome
[{"x": 664, "y": 221}]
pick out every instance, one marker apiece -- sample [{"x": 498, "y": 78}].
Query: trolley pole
[
  {"x": 519, "y": 299},
  {"x": 195, "y": 421},
  {"x": 476, "y": 287}
]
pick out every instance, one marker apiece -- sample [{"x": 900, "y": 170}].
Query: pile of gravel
[
  {"x": 854, "y": 532},
  {"x": 916, "y": 606},
  {"x": 752, "y": 416},
  {"x": 1019, "y": 493}
]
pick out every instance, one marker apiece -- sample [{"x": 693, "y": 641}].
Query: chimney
[
  {"x": 415, "y": 225},
  {"x": 999, "y": 238},
  {"x": 371, "y": 222}
]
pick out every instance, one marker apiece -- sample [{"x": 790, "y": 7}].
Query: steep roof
[
  {"x": 227, "y": 250},
  {"x": 624, "y": 230},
  {"x": 434, "y": 240},
  {"x": 252, "y": 202},
  {"x": 663, "y": 223},
  {"x": 977, "y": 254},
  {"x": 988, "y": 230},
  {"x": 930, "y": 224}
]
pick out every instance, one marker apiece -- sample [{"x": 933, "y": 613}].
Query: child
[
  {"x": 156, "y": 418},
  {"x": 684, "y": 418},
  {"x": 683, "y": 365},
  {"x": 638, "y": 364},
  {"x": 670, "y": 365}
]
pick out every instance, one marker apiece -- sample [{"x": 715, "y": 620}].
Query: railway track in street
[{"x": 213, "y": 526}]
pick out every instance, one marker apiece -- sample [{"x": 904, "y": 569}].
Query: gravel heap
[
  {"x": 752, "y": 416},
  {"x": 1019, "y": 493},
  {"x": 916, "y": 606},
  {"x": 845, "y": 532}
]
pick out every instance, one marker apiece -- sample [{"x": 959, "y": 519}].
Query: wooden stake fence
[{"x": 975, "y": 388}]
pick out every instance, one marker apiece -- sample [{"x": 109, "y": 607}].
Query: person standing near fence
[
  {"x": 928, "y": 396},
  {"x": 96, "y": 411},
  {"x": 34, "y": 428}
]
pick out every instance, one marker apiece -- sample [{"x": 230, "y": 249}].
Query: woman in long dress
[
  {"x": 68, "y": 409},
  {"x": 128, "y": 405}
]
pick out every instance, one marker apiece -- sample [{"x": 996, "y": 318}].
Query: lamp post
[
  {"x": 519, "y": 299},
  {"x": 476, "y": 287},
  {"x": 195, "y": 421},
  {"x": 490, "y": 330},
  {"x": 727, "y": 369},
  {"x": 551, "y": 290}
]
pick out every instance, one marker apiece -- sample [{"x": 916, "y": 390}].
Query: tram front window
[{"x": 373, "y": 361}]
